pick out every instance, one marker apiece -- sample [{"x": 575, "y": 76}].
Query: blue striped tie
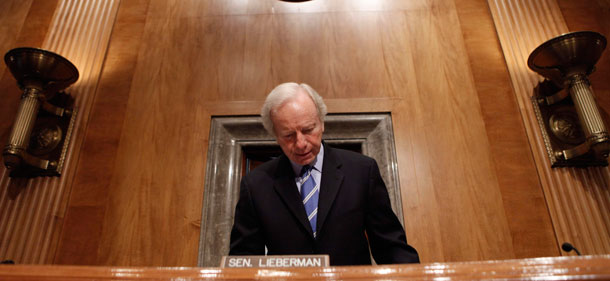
[{"x": 309, "y": 193}]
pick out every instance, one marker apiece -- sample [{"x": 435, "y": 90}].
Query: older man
[{"x": 315, "y": 199}]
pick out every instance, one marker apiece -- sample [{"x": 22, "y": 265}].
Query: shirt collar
[{"x": 316, "y": 163}]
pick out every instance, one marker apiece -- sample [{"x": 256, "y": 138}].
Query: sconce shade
[
  {"x": 47, "y": 71},
  {"x": 567, "y": 55}
]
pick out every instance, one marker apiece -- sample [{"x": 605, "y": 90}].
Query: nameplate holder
[{"x": 274, "y": 261}]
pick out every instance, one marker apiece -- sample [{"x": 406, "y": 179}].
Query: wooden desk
[{"x": 556, "y": 268}]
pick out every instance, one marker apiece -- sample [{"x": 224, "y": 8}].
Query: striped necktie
[{"x": 309, "y": 193}]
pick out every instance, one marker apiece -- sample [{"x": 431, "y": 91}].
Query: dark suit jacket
[{"x": 353, "y": 205}]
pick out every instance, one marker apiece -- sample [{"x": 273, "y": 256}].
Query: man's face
[{"x": 298, "y": 129}]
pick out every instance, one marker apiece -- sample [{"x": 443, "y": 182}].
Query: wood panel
[
  {"x": 85, "y": 212},
  {"x": 469, "y": 187},
  {"x": 12, "y": 17},
  {"x": 18, "y": 234},
  {"x": 528, "y": 218},
  {"x": 577, "y": 199},
  {"x": 33, "y": 209},
  {"x": 435, "y": 65},
  {"x": 459, "y": 205}
]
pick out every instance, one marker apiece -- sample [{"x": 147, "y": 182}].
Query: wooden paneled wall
[
  {"x": 469, "y": 183},
  {"x": 139, "y": 185},
  {"x": 12, "y": 16},
  {"x": 577, "y": 198},
  {"x": 32, "y": 210}
]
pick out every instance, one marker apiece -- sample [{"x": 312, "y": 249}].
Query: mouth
[{"x": 303, "y": 154}]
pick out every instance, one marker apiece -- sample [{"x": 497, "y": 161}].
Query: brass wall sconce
[
  {"x": 39, "y": 139},
  {"x": 569, "y": 118}
]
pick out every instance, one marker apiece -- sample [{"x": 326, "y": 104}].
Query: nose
[{"x": 301, "y": 143}]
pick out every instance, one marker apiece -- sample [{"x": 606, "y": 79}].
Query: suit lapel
[
  {"x": 287, "y": 189},
  {"x": 329, "y": 187}
]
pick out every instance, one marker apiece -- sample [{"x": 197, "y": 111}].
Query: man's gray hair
[{"x": 285, "y": 92}]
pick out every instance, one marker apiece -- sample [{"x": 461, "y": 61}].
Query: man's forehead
[{"x": 291, "y": 120}]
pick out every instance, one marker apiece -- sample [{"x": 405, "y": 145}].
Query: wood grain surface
[
  {"x": 24, "y": 204},
  {"x": 193, "y": 65},
  {"x": 556, "y": 268},
  {"x": 522, "y": 196},
  {"x": 577, "y": 198},
  {"x": 469, "y": 180},
  {"x": 33, "y": 209},
  {"x": 12, "y": 17}
]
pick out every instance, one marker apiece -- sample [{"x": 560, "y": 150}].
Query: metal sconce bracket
[
  {"x": 50, "y": 138},
  {"x": 40, "y": 137},
  {"x": 570, "y": 121},
  {"x": 560, "y": 128}
]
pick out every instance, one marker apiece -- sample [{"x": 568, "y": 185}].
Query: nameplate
[{"x": 274, "y": 261}]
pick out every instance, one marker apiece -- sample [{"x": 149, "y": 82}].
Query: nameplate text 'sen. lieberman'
[{"x": 274, "y": 261}]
